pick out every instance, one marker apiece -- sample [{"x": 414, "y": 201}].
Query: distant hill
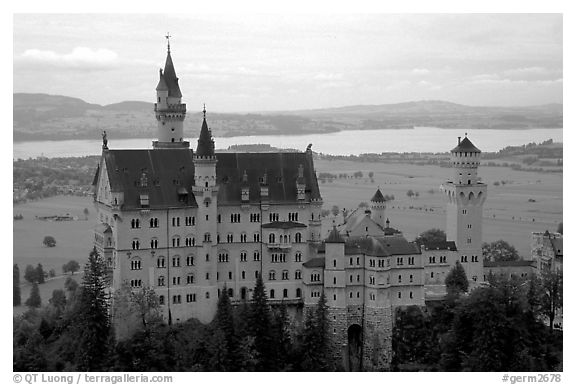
[{"x": 56, "y": 117}]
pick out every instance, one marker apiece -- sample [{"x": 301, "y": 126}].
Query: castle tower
[
  {"x": 465, "y": 195},
  {"x": 169, "y": 109},
  {"x": 378, "y": 208},
  {"x": 335, "y": 291},
  {"x": 206, "y": 192}
]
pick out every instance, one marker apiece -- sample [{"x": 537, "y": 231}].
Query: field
[
  {"x": 508, "y": 214},
  {"x": 73, "y": 239}
]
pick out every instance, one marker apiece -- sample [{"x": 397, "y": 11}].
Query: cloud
[
  {"x": 80, "y": 58},
  {"x": 420, "y": 71}
]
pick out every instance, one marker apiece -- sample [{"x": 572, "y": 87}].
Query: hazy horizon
[{"x": 253, "y": 63}]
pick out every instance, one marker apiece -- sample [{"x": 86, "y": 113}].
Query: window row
[
  {"x": 464, "y": 258},
  {"x": 441, "y": 259},
  {"x": 285, "y": 275},
  {"x": 287, "y": 238}
]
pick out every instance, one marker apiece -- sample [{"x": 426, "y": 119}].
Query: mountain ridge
[{"x": 54, "y": 117}]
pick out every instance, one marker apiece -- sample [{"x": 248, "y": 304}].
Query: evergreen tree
[
  {"x": 260, "y": 327},
  {"x": 315, "y": 342},
  {"x": 456, "y": 280},
  {"x": 39, "y": 273},
  {"x": 92, "y": 323},
  {"x": 34, "y": 300},
  {"x": 224, "y": 331},
  {"x": 17, "y": 299},
  {"x": 30, "y": 274},
  {"x": 58, "y": 299},
  {"x": 281, "y": 326}
]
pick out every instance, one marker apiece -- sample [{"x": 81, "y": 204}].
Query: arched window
[
  {"x": 272, "y": 293},
  {"x": 272, "y": 238},
  {"x": 298, "y": 238},
  {"x": 136, "y": 264},
  {"x": 285, "y": 293},
  {"x": 190, "y": 279},
  {"x": 161, "y": 262},
  {"x": 161, "y": 280},
  {"x": 272, "y": 275},
  {"x": 190, "y": 260},
  {"x": 298, "y": 293},
  {"x": 243, "y": 293}
]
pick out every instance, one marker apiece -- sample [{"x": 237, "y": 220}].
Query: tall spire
[
  {"x": 205, "y": 141},
  {"x": 168, "y": 40}
]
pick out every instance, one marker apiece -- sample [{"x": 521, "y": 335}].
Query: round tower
[
  {"x": 465, "y": 195},
  {"x": 169, "y": 109},
  {"x": 378, "y": 208}
]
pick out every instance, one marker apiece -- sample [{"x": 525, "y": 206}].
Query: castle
[{"x": 190, "y": 224}]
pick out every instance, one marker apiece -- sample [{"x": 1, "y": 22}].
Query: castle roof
[
  {"x": 440, "y": 245},
  {"x": 162, "y": 86},
  {"x": 205, "y": 141},
  {"x": 465, "y": 146},
  {"x": 315, "y": 262},
  {"x": 168, "y": 170},
  {"x": 520, "y": 263},
  {"x": 283, "y": 225},
  {"x": 334, "y": 237},
  {"x": 170, "y": 78},
  {"x": 378, "y": 197}
]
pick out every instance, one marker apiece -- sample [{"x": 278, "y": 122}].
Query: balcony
[
  {"x": 171, "y": 108},
  {"x": 283, "y": 246}
]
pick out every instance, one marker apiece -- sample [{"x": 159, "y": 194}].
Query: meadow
[
  {"x": 508, "y": 213},
  {"x": 73, "y": 239}
]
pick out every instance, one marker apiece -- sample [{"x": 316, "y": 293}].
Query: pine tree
[
  {"x": 34, "y": 300},
  {"x": 93, "y": 324},
  {"x": 16, "y": 286},
  {"x": 30, "y": 274},
  {"x": 224, "y": 328},
  {"x": 39, "y": 273},
  {"x": 260, "y": 327},
  {"x": 456, "y": 280},
  {"x": 316, "y": 344},
  {"x": 282, "y": 337}
]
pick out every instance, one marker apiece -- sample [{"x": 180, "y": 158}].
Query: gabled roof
[
  {"x": 519, "y": 263},
  {"x": 168, "y": 170},
  {"x": 378, "y": 197},
  {"x": 104, "y": 228},
  {"x": 558, "y": 246},
  {"x": 465, "y": 146},
  {"x": 334, "y": 237},
  {"x": 444, "y": 245},
  {"x": 283, "y": 225},
  {"x": 96, "y": 175},
  {"x": 381, "y": 246},
  {"x": 171, "y": 79},
  {"x": 315, "y": 262}
]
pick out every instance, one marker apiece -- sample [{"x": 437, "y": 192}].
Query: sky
[{"x": 271, "y": 62}]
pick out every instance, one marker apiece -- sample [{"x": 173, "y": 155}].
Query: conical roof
[
  {"x": 378, "y": 197},
  {"x": 465, "y": 146},
  {"x": 205, "y": 141},
  {"x": 170, "y": 78},
  {"x": 162, "y": 86}
]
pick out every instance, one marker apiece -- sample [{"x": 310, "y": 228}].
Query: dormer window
[{"x": 144, "y": 200}]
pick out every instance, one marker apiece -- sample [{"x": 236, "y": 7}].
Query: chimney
[{"x": 459, "y": 140}]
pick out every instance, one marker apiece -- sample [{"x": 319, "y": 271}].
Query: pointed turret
[
  {"x": 205, "y": 142},
  {"x": 170, "y": 78},
  {"x": 169, "y": 109},
  {"x": 378, "y": 197}
]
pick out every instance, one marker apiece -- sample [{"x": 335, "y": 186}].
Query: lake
[{"x": 420, "y": 139}]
